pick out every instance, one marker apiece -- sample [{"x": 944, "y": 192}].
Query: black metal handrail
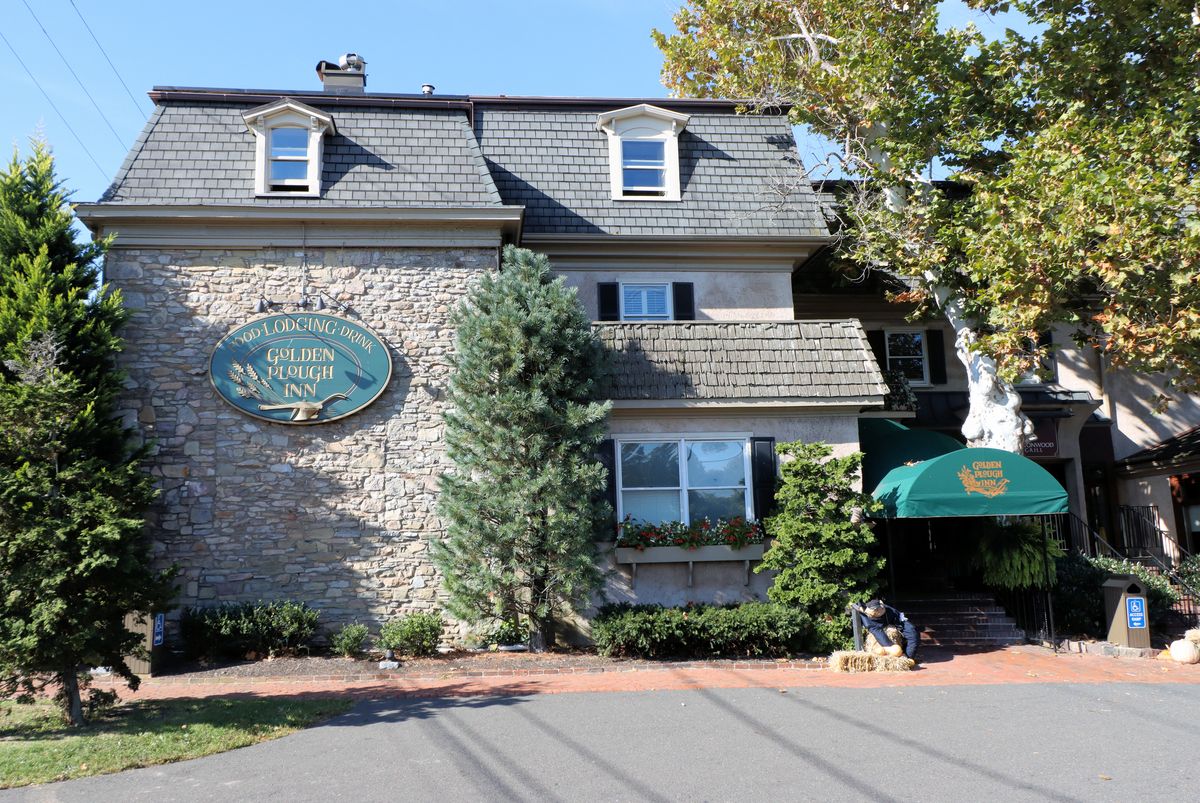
[{"x": 1143, "y": 537}]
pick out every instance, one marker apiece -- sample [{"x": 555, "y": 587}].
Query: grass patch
[{"x": 35, "y": 747}]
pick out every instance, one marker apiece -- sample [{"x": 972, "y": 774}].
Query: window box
[
  {"x": 711, "y": 553},
  {"x": 714, "y": 553}
]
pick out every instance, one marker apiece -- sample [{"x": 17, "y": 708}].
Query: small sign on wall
[
  {"x": 159, "y": 629},
  {"x": 1045, "y": 439}
]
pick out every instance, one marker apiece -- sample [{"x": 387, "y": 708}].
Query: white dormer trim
[
  {"x": 643, "y": 122},
  {"x": 287, "y": 113}
]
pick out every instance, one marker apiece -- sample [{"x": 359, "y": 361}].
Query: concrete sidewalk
[{"x": 1011, "y": 665}]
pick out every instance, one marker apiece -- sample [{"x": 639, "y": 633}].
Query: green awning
[
  {"x": 887, "y": 445},
  {"x": 970, "y": 482}
]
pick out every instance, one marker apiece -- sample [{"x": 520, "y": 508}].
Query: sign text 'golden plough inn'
[{"x": 305, "y": 368}]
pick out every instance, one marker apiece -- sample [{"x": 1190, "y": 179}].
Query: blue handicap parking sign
[
  {"x": 1135, "y": 612},
  {"x": 158, "y": 629}
]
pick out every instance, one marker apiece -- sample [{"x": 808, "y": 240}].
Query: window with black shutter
[{"x": 764, "y": 467}]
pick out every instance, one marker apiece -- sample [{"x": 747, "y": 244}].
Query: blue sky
[{"x": 513, "y": 47}]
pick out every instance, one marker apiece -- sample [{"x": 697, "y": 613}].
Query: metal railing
[
  {"x": 1030, "y": 609},
  {"x": 1144, "y": 539}
]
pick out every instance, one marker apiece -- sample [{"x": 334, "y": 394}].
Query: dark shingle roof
[
  {"x": 1175, "y": 452},
  {"x": 554, "y": 161},
  {"x": 777, "y": 361},
  {"x": 202, "y": 153}
]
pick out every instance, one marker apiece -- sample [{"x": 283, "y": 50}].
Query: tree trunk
[
  {"x": 995, "y": 419},
  {"x": 541, "y": 628},
  {"x": 72, "y": 704}
]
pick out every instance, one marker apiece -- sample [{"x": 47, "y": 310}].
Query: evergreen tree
[
  {"x": 822, "y": 546},
  {"x": 523, "y": 502},
  {"x": 73, "y": 559}
]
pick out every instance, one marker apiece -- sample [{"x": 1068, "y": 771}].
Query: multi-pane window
[
  {"x": 289, "y": 158},
  {"x": 906, "y": 353},
  {"x": 643, "y": 167},
  {"x": 684, "y": 480},
  {"x": 646, "y": 302}
]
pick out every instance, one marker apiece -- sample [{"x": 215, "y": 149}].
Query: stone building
[{"x": 239, "y": 211}]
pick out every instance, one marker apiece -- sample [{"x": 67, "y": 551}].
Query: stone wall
[{"x": 339, "y": 515}]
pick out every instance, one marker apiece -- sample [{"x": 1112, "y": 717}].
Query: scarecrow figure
[{"x": 886, "y": 623}]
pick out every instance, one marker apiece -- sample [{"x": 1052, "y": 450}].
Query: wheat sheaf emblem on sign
[
  {"x": 252, "y": 386},
  {"x": 973, "y": 486}
]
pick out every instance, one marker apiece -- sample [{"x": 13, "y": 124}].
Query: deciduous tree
[{"x": 1077, "y": 143}]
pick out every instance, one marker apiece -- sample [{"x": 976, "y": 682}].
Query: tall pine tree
[
  {"x": 523, "y": 502},
  {"x": 73, "y": 557}
]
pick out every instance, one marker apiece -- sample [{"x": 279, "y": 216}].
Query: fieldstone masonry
[{"x": 339, "y": 515}]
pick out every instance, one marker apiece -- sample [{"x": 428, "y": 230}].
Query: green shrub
[
  {"x": 414, "y": 634},
  {"x": 508, "y": 631},
  {"x": 753, "y": 629},
  {"x": 234, "y": 630},
  {"x": 1189, "y": 572},
  {"x": 348, "y": 642},
  {"x": 1079, "y": 600}
]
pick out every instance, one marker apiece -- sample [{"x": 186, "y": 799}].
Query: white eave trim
[{"x": 101, "y": 213}]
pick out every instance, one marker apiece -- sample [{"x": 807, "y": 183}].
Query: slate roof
[
  {"x": 456, "y": 151},
  {"x": 770, "y": 361},
  {"x": 554, "y": 162},
  {"x": 194, "y": 152}
]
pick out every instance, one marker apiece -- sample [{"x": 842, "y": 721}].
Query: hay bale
[
  {"x": 859, "y": 661},
  {"x": 872, "y": 645},
  {"x": 851, "y": 661},
  {"x": 1192, "y": 636}
]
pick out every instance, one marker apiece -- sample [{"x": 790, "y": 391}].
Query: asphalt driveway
[{"x": 1029, "y": 742}]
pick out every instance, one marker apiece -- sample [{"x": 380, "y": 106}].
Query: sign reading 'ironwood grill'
[{"x": 307, "y": 368}]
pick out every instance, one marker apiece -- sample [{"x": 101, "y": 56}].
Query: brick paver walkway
[{"x": 1021, "y": 664}]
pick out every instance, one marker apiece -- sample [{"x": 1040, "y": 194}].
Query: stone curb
[
  {"x": 814, "y": 664},
  {"x": 1108, "y": 649}
]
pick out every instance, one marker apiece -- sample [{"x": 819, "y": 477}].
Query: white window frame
[
  {"x": 682, "y": 440},
  {"x": 667, "y": 289},
  {"x": 272, "y": 159},
  {"x": 288, "y": 114},
  {"x": 643, "y": 123},
  {"x": 887, "y": 353}
]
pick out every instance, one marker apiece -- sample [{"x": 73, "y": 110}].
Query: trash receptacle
[
  {"x": 1126, "y": 611},
  {"x": 151, "y": 630}
]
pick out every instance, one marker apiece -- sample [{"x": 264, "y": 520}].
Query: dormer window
[
  {"x": 643, "y": 152},
  {"x": 289, "y": 159},
  {"x": 290, "y": 145},
  {"x": 643, "y": 167}
]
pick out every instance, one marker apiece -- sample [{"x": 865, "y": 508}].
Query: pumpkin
[
  {"x": 1193, "y": 636},
  {"x": 1185, "y": 652}
]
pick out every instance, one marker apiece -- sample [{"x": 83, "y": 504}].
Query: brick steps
[{"x": 961, "y": 619}]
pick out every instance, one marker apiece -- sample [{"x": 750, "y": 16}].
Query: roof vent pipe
[{"x": 427, "y": 89}]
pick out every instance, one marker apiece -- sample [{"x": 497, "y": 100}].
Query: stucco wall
[
  {"x": 734, "y": 295},
  {"x": 340, "y": 514}
]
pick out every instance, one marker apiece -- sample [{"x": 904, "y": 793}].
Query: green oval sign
[{"x": 306, "y": 368}]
